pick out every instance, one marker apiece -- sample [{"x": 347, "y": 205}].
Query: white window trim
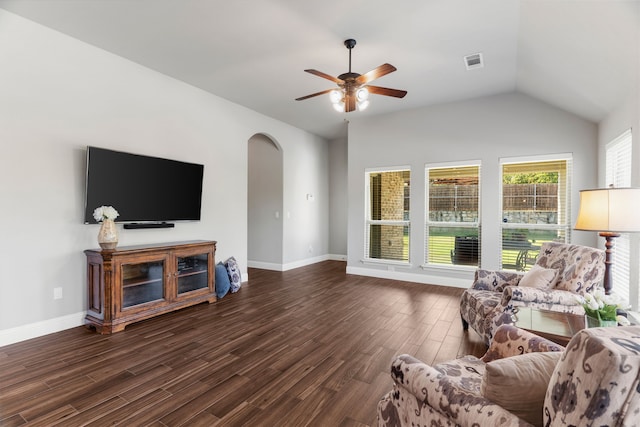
[
  {"x": 529, "y": 159},
  {"x": 612, "y": 177},
  {"x": 441, "y": 165},
  {"x": 533, "y": 159},
  {"x": 368, "y": 221}
]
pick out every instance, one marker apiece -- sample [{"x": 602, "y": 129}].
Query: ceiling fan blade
[
  {"x": 386, "y": 91},
  {"x": 376, "y": 73},
  {"x": 313, "y": 94},
  {"x": 324, "y": 76}
]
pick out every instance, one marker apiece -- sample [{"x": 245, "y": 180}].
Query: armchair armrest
[
  {"x": 542, "y": 296},
  {"x": 420, "y": 384},
  {"x": 495, "y": 280},
  {"x": 510, "y": 341}
]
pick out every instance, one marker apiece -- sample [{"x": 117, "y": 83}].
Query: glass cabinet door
[
  {"x": 143, "y": 282},
  {"x": 192, "y": 272}
]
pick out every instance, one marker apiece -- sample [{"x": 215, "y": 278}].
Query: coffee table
[{"x": 552, "y": 325}]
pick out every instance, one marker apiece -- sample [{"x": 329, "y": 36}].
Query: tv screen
[{"x": 142, "y": 188}]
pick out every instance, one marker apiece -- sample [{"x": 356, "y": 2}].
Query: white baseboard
[
  {"x": 295, "y": 264},
  {"x": 37, "y": 329},
  {"x": 429, "y": 279},
  {"x": 304, "y": 262},
  {"x": 264, "y": 265}
]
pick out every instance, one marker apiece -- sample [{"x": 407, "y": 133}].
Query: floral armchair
[
  {"x": 561, "y": 272},
  {"x": 449, "y": 394},
  {"x": 538, "y": 383}
]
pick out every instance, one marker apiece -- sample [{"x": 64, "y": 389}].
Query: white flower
[
  {"x": 610, "y": 299},
  {"x": 601, "y": 305},
  {"x": 105, "y": 212},
  {"x": 591, "y": 301}
]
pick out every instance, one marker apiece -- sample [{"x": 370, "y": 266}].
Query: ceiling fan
[{"x": 353, "y": 88}]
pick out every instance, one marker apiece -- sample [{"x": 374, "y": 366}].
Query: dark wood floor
[{"x": 310, "y": 346}]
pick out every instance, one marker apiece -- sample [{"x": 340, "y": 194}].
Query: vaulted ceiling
[{"x": 579, "y": 55}]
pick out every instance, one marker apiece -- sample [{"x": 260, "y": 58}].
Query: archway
[{"x": 265, "y": 203}]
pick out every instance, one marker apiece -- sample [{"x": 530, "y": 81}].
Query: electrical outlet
[{"x": 57, "y": 293}]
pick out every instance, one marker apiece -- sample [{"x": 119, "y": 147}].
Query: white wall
[
  {"x": 485, "y": 129},
  {"x": 306, "y": 202},
  {"x": 58, "y": 95},
  {"x": 338, "y": 203}
]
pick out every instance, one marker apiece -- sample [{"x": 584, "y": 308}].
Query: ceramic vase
[{"x": 108, "y": 235}]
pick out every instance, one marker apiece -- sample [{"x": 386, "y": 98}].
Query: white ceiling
[{"x": 579, "y": 55}]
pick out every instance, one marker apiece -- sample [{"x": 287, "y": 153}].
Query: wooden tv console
[{"x": 134, "y": 283}]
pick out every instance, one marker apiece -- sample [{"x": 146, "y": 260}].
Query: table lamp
[{"x": 610, "y": 211}]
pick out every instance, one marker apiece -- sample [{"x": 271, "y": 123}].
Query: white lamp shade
[
  {"x": 609, "y": 209},
  {"x": 362, "y": 94},
  {"x": 335, "y": 96}
]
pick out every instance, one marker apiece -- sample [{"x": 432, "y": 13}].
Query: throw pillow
[
  {"x": 539, "y": 277},
  {"x": 234, "y": 274},
  {"x": 519, "y": 383},
  {"x": 222, "y": 280}
]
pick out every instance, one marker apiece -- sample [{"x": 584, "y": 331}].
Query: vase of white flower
[
  {"x": 601, "y": 309},
  {"x": 108, "y": 234}
]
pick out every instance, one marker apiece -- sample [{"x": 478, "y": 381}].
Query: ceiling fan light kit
[{"x": 353, "y": 88}]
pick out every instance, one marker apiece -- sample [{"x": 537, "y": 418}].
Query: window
[
  {"x": 618, "y": 174},
  {"x": 536, "y": 207},
  {"x": 452, "y": 219},
  {"x": 387, "y": 215}
]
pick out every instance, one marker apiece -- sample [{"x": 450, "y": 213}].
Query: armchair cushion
[
  {"x": 495, "y": 280},
  {"x": 539, "y": 277},
  {"x": 518, "y": 384},
  {"x": 510, "y": 341},
  {"x": 547, "y": 296}
]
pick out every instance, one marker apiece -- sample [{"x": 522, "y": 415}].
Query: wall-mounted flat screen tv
[{"x": 142, "y": 189}]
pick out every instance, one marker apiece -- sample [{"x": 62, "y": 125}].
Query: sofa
[
  {"x": 522, "y": 380},
  {"x": 561, "y": 272}
]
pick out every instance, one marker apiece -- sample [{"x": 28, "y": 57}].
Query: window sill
[
  {"x": 388, "y": 262},
  {"x": 633, "y": 316},
  {"x": 449, "y": 267}
]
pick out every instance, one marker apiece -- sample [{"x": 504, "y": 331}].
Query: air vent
[{"x": 473, "y": 61}]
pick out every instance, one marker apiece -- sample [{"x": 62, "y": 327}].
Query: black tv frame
[{"x": 140, "y": 186}]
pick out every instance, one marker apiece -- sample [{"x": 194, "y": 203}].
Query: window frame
[
  {"x": 472, "y": 225},
  {"x": 368, "y": 222},
  {"x": 618, "y": 174},
  {"x": 566, "y": 227}
]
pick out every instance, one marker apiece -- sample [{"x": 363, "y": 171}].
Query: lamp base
[{"x": 608, "y": 261}]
